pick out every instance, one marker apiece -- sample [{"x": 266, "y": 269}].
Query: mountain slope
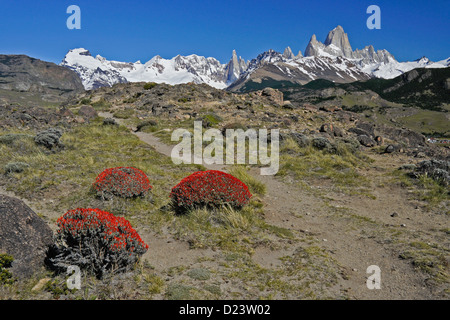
[
  {"x": 426, "y": 88},
  {"x": 22, "y": 76},
  {"x": 333, "y": 60},
  {"x": 97, "y": 72}
]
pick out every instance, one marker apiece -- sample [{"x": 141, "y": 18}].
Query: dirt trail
[{"x": 290, "y": 206}]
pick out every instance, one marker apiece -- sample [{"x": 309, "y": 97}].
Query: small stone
[
  {"x": 403, "y": 225},
  {"x": 394, "y": 214},
  {"x": 40, "y": 284}
]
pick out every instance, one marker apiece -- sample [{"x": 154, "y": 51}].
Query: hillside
[
  {"x": 349, "y": 193},
  {"x": 27, "y": 80}
]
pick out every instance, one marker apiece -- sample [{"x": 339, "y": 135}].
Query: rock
[
  {"x": 389, "y": 149},
  {"x": 338, "y": 132},
  {"x": 379, "y": 140},
  {"x": 64, "y": 112},
  {"x": 438, "y": 170},
  {"x": 447, "y": 84},
  {"x": 301, "y": 139},
  {"x": 288, "y": 105},
  {"x": 367, "y": 127},
  {"x": 365, "y": 141},
  {"x": 409, "y": 166},
  {"x": 23, "y": 235},
  {"x": 79, "y": 120},
  {"x": 406, "y": 136},
  {"x": 321, "y": 143},
  {"x": 273, "y": 94},
  {"x": 420, "y": 155},
  {"x": 394, "y": 214},
  {"x": 359, "y": 132},
  {"x": 87, "y": 112},
  {"x": 330, "y": 108},
  {"x": 110, "y": 122},
  {"x": 40, "y": 284},
  {"x": 328, "y": 128}
]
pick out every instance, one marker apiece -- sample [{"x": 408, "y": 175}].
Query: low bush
[
  {"x": 209, "y": 189},
  {"x": 124, "y": 114},
  {"x": 16, "y": 167},
  {"x": 10, "y": 138},
  {"x": 150, "y": 85},
  {"x": 5, "y": 263},
  {"x": 49, "y": 138},
  {"x": 110, "y": 122},
  {"x": 125, "y": 182},
  {"x": 146, "y": 123},
  {"x": 96, "y": 241}
]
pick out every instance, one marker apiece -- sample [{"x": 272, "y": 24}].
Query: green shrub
[
  {"x": 146, "y": 123},
  {"x": 49, "y": 138},
  {"x": 210, "y": 120},
  {"x": 16, "y": 167},
  {"x": 5, "y": 263},
  {"x": 85, "y": 101},
  {"x": 101, "y": 105},
  {"x": 10, "y": 138},
  {"x": 124, "y": 114},
  {"x": 184, "y": 100},
  {"x": 199, "y": 274},
  {"x": 150, "y": 85},
  {"x": 109, "y": 122}
]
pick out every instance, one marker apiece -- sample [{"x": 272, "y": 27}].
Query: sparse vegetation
[
  {"x": 270, "y": 248},
  {"x": 5, "y": 263},
  {"x": 150, "y": 85}
]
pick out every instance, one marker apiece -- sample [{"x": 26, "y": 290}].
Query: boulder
[
  {"x": 438, "y": 170},
  {"x": 273, "y": 94},
  {"x": 321, "y": 143},
  {"x": 24, "y": 236},
  {"x": 359, "y": 132},
  {"x": 87, "y": 112},
  {"x": 367, "y": 127},
  {"x": 390, "y": 149},
  {"x": 327, "y": 128},
  {"x": 379, "y": 140},
  {"x": 338, "y": 132},
  {"x": 328, "y": 108},
  {"x": 447, "y": 84},
  {"x": 366, "y": 141},
  {"x": 301, "y": 139}
]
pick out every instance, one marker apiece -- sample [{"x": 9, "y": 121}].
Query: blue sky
[{"x": 138, "y": 30}]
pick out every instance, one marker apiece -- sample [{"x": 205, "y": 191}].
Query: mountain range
[{"x": 333, "y": 60}]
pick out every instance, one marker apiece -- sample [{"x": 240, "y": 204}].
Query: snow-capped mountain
[
  {"x": 274, "y": 65},
  {"x": 333, "y": 60},
  {"x": 97, "y": 72}
]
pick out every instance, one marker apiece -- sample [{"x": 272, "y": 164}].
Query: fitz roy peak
[{"x": 333, "y": 60}]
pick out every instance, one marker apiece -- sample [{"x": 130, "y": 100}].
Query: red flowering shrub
[
  {"x": 125, "y": 182},
  {"x": 211, "y": 189},
  {"x": 97, "y": 241}
]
